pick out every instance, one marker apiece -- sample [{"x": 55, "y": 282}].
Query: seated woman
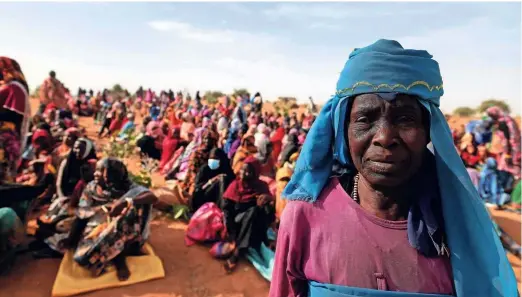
[
  {"x": 283, "y": 176},
  {"x": 495, "y": 185},
  {"x": 371, "y": 209},
  {"x": 196, "y": 161},
  {"x": 112, "y": 220},
  {"x": 264, "y": 155},
  {"x": 291, "y": 147},
  {"x": 150, "y": 144},
  {"x": 469, "y": 156},
  {"x": 212, "y": 180},
  {"x": 69, "y": 138},
  {"x": 69, "y": 171},
  {"x": 170, "y": 145},
  {"x": 54, "y": 225},
  {"x": 41, "y": 148},
  {"x": 128, "y": 128},
  {"x": 247, "y": 149},
  {"x": 248, "y": 210}
]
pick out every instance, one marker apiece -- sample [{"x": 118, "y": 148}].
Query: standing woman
[
  {"x": 372, "y": 211},
  {"x": 15, "y": 112}
]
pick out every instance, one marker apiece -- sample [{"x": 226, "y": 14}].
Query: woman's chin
[{"x": 384, "y": 179}]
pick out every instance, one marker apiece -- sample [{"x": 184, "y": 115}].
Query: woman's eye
[{"x": 362, "y": 120}]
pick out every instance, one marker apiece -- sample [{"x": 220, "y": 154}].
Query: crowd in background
[{"x": 227, "y": 163}]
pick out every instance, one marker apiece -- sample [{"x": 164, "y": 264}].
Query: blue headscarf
[{"x": 479, "y": 263}]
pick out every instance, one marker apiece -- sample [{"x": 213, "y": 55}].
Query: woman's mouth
[{"x": 383, "y": 166}]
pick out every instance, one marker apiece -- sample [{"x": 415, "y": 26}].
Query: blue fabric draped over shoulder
[{"x": 479, "y": 263}]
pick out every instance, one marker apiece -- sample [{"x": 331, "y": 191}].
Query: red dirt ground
[{"x": 189, "y": 271}]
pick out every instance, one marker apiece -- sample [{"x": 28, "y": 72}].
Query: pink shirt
[{"x": 335, "y": 241}]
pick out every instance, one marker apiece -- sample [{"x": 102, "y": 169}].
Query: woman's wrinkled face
[
  {"x": 79, "y": 149},
  {"x": 387, "y": 139}
]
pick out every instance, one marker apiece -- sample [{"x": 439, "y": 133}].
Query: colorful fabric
[
  {"x": 198, "y": 159},
  {"x": 69, "y": 172},
  {"x": 10, "y": 151},
  {"x": 386, "y": 67},
  {"x": 169, "y": 146},
  {"x": 493, "y": 183},
  {"x": 11, "y": 71},
  {"x": 246, "y": 149},
  {"x": 14, "y": 96},
  {"x": 282, "y": 178},
  {"x": 106, "y": 237},
  {"x": 206, "y": 225}
]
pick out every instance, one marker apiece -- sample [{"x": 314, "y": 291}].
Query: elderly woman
[
  {"x": 112, "y": 220},
  {"x": 371, "y": 210}
]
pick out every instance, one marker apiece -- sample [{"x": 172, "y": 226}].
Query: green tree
[
  {"x": 241, "y": 92},
  {"x": 494, "y": 102},
  {"x": 464, "y": 111},
  {"x": 212, "y": 96},
  {"x": 117, "y": 88}
]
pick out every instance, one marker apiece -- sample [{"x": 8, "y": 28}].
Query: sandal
[
  {"x": 229, "y": 266},
  {"x": 231, "y": 263}
]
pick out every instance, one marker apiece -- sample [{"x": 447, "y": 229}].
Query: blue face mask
[{"x": 213, "y": 164}]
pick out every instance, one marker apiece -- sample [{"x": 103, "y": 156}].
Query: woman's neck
[{"x": 388, "y": 204}]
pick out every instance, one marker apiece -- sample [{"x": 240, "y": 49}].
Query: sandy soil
[{"x": 189, "y": 271}]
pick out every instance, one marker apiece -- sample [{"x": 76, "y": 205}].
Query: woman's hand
[{"x": 118, "y": 208}]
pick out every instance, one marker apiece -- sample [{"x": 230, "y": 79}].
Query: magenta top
[{"x": 335, "y": 241}]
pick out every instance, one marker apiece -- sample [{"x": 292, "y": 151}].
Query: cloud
[
  {"x": 478, "y": 60},
  {"x": 311, "y": 11},
  {"x": 187, "y": 31},
  {"x": 326, "y": 26},
  {"x": 238, "y": 8},
  {"x": 337, "y": 11}
]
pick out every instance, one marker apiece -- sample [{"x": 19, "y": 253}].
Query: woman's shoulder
[{"x": 329, "y": 200}]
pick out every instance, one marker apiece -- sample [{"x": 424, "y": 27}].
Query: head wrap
[
  {"x": 153, "y": 129},
  {"x": 11, "y": 71},
  {"x": 69, "y": 172},
  {"x": 479, "y": 262},
  {"x": 244, "y": 191}
]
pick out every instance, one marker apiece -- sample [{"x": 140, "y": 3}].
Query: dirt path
[{"x": 189, "y": 271}]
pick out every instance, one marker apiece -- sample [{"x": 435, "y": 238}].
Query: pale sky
[{"x": 278, "y": 49}]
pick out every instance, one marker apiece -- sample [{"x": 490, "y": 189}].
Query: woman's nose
[{"x": 386, "y": 136}]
